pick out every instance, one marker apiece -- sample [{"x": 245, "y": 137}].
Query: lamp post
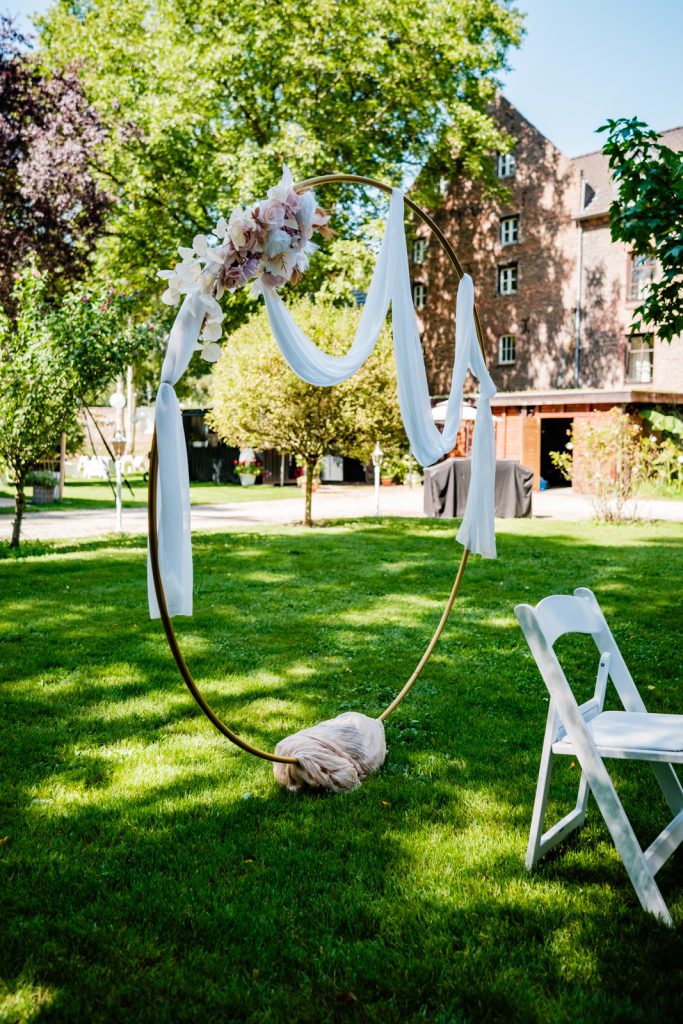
[
  {"x": 118, "y": 402},
  {"x": 377, "y": 457}
]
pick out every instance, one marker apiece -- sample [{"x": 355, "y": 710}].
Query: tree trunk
[
  {"x": 19, "y": 505},
  {"x": 310, "y": 470}
]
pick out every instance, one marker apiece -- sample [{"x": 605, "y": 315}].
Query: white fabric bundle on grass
[{"x": 336, "y": 755}]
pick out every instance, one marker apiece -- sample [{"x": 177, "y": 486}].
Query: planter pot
[
  {"x": 44, "y": 495},
  {"x": 301, "y": 482},
  {"x": 247, "y": 479},
  {"x": 387, "y": 481}
]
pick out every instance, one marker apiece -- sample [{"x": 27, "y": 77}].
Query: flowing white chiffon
[{"x": 390, "y": 286}]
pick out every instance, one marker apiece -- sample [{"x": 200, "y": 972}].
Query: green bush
[{"x": 42, "y": 478}]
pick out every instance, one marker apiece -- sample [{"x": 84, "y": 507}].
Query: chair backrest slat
[
  {"x": 563, "y": 613},
  {"x": 559, "y": 614}
]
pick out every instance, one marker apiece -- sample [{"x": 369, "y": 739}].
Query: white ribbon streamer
[{"x": 390, "y": 285}]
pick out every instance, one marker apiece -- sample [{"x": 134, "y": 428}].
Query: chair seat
[{"x": 633, "y": 734}]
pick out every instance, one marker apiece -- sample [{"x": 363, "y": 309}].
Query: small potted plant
[
  {"x": 248, "y": 471},
  {"x": 45, "y": 486},
  {"x": 394, "y": 470},
  {"x": 300, "y": 474}
]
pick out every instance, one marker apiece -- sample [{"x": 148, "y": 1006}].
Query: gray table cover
[{"x": 446, "y": 486}]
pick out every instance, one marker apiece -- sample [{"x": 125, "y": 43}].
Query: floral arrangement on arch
[
  {"x": 248, "y": 467},
  {"x": 268, "y": 243}
]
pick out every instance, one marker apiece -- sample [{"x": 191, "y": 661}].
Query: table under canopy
[{"x": 446, "y": 487}]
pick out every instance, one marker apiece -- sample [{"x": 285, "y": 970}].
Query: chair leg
[
  {"x": 669, "y": 785},
  {"x": 628, "y": 847},
  {"x": 533, "y": 852},
  {"x": 541, "y": 842},
  {"x": 545, "y": 771}
]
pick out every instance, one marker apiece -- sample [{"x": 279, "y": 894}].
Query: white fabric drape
[
  {"x": 173, "y": 486},
  {"x": 390, "y": 286}
]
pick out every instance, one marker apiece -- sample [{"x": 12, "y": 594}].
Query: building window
[
  {"x": 509, "y": 230},
  {"x": 643, "y": 270},
  {"x": 641, "y": 351},
  {"x": 587, "y": 195},
  {"x": 506, "y": 349},
  {"x": 419, "y": 296},
  {"x": 507, "y": 279},
  {"x": 419, "y": 250},
  {"x": 506, "y": 165}
]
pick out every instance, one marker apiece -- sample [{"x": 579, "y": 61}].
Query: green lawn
[
  {"x": 150, "y": 872},
  {"x": 98, "y": 494}
]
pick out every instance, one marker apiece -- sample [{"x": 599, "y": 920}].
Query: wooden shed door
[{"x": 531, "y": 446}]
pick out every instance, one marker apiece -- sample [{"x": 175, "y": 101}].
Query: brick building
[{"x": 555, "y": 297}]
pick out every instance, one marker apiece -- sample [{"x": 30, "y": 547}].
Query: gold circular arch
[{"x": 324, "y": 179}]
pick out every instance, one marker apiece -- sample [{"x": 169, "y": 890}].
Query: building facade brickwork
[{"x": 555, "y": 295}]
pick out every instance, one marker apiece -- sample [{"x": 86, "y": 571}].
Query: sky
[{"x": 581, "y": 62}]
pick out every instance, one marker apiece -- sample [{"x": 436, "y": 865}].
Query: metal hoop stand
[{"x": 183, "y": 668}]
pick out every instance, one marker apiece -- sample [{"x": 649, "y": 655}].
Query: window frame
[
  {"x": 635, "y": 361},
  {"x": 507, "y": 165},
  {"x": 505, "y": 356},
  {"x": 509, "y": 218},
  {"x": 419, "y": 304},
  {"x": 500, "y": 270},
  {"x": 636, "y": 285},
  {"x": 419, "y": 245}
]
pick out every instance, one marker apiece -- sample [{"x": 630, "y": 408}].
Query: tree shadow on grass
[{"x": 139, "y": 881}]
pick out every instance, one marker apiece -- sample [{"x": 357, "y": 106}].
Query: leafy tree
[
  {"x": 53, "y": 357},
  {"x": 648, "y": 216},
  {"x": 50, "y": 202},
  {"x": 257, "y": 400},
  {"x": 204, "y": 102},
  {"x": 607, "y": 455}
]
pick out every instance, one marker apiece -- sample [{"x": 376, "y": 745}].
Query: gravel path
[{"x": 330, "y": 502}]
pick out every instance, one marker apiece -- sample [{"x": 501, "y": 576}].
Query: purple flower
[
  {"x": 232, "y": 277},
  {"x": 273, "y": 280}
]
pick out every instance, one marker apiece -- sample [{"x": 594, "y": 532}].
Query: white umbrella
[
  {"x": 439, "y": 412},
  {"x": 469, "y": 413}
]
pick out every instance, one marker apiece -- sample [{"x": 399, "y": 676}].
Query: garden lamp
[
  {"x": 377, "y": 457},
  {"x": 117, "y": 402}
]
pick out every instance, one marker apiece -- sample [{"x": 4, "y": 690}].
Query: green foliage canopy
[
  {"x": 648, "y": 216},
  {"x": 55, "y": 356},
  {"x": 203, "y": 103},
  {"x": 38, "y": 396}
]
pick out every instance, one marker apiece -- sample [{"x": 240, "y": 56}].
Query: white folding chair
[{"x": 590, "y": 734}]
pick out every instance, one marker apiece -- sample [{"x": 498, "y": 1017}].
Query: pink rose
[
  {"x": 271, "y": 214},
  {"x": 245, "y": 232}
]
